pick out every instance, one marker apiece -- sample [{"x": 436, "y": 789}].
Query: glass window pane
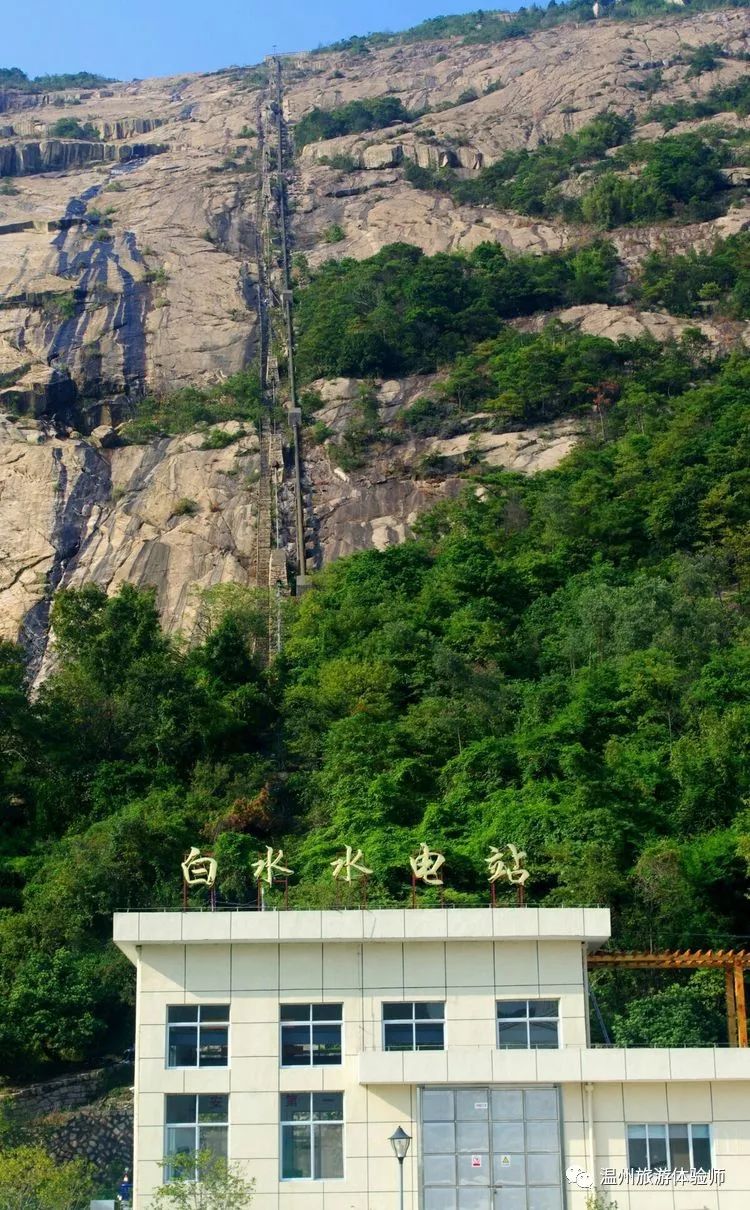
[
  {"x": 544, "y": 1008},
  {"x": 509, "y": 1168},
  {"x": 437, "y": 1105},
  {"x": 679, "y": 1146},
  {"x": 183, "y": 1046},
  {"x": 542, "y": 1136},
  {"x": 326, "y": 1044},
  {"x": 439, "y": 1199},
  {"x": 213, "y": 1139},
  {"x": 213, "y": 1047},
  {"x": 180, "y": 1108},
  {"x": 329, "y": 1152},
  {"x": 507, "y": 1136},
  {"x": 326, "y": 1012},
  {"x": 182, "y": 1012},
  {"x": 212, "y": 1108},
  {"x": 180, "y": 1140},
  {"x": 542, "y": 1167},
  {"x": 295, "y": 1106},
  {"x": 473, "y": 1168},
  {"x": 440, "y": 1170},
  {"x": 510, "y": 1198},
  {"x": 398, "y": 1012},
  {"x": 295, "y": 1152},
  {"x": 214, "y": 1012},
  {"x": 295, "y": 1012},
  {"x": 472, "y": 1103},
  {"x": 549, "y": 1198},
  {"x": 472, "y": 1136},
  {"x": 541, "y": 1103},
  {"x": 431, "y": 1011},
  {"x": 473, "y": 1197},
  {"x": 511, "y": 1009},
  {"x": 507, "y": 1105},
  {"x": 438, "y": 1136},
  {"x": 513, "y": 1034},
  {"x": 428, "y": 1036},
  {"x": 657, "y": 1146},
  {"x": 543, "y": 1034},
  {"x": 398, "y": 1037},
  {"x": 328, "y": 1106},
  {"x": 701, "y": 1147},
  {"x": 295, "y": 1046},
  {"x": 637, "y": 1151}
]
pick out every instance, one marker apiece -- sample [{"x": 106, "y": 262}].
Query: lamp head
[{"x": 400, "y": 1141}]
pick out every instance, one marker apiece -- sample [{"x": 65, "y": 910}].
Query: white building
[{"x": 297, "y": 1042}]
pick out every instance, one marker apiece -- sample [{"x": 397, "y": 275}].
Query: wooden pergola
[{"x": 734, "y": 963}]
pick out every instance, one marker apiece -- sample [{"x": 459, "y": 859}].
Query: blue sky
[{"x": 126, "y": 38}]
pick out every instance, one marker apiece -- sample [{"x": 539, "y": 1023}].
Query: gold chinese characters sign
[{"x": 504, "y": 865}]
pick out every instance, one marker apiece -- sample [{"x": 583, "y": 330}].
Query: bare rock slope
[{"x": 129, "y": 265}]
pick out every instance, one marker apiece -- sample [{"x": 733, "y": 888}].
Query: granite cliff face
[{"x": 133, "y": 264}]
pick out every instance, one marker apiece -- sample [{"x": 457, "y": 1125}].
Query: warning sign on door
[
  {"x": 476, "y": 1161},
  {"x": 505, "y": 1161}
]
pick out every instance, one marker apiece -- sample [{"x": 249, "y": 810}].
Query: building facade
[{"x": 295, "y": 1043}]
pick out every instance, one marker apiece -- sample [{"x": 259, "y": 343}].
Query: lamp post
[{"x": 400, "y": 1141}]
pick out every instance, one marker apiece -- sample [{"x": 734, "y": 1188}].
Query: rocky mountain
[{"x": 145, "y": 251}]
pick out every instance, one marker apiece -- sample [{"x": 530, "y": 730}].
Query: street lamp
[{"x": 400, "y": 1141}]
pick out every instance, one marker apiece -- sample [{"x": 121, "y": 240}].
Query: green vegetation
[
  {"x": 499, "y": 26},
  {"x": 13, "y": 77},
  {"x": 718, "y": 280},
  {"x": 560, "y": 659},
  {"x": 69, "y": 128},
  {"x": 202, "y": 1180},
  {"x": 185, "y": 507},
  {"x": 403, "y": 312},
  {"x": 721, "y": 99},
  {"x": 521, "y": 378},
  {"x": 30, "y": 1179},
  {"x": 334, "y": 234},
  {"x": 642, "y": 182},
  {"x": 353, "y": 118},
  {"x": 61, "y": 306},
  {"x": 238, "y": 398}
]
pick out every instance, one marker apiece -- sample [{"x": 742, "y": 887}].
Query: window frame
[
  {"x": 196, "y": 1125},
  {"x": 310, "y": 1023},
  {"x": 665, "y": 1126},
  {"x": 527, "y": 1021},
  {"x": 198, "y": 1024},
  {"x": 413, "y": 1020},
  {"x": 309, "y": 1123}
]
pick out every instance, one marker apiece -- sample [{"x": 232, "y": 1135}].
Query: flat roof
[{"x": 590, "y": 926}]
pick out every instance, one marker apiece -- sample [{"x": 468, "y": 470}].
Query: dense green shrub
[
  {"x": 70, "y": 128},
  {"x": 353, "y": 118},
  {"x": 686, "y": 284},
  {"x": 237, "y": 398},
  {"x": 402, "y": 312},
  {"x": 642, "y": 182}
]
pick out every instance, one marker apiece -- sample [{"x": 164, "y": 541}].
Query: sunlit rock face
[{"x": 128, "y": 266}]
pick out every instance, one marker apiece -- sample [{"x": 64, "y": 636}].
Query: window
[
  {"x": 679, "y": 1145},
  {"x": 195, "y": 1123},
  {"x": 528, "y": 1024},
  {"x": 310, "y": 1035},
  {"x": 197, "y": 1035},
  {"x": 312, "y": 1135},
  {"x": 416, "y": 1025}
]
